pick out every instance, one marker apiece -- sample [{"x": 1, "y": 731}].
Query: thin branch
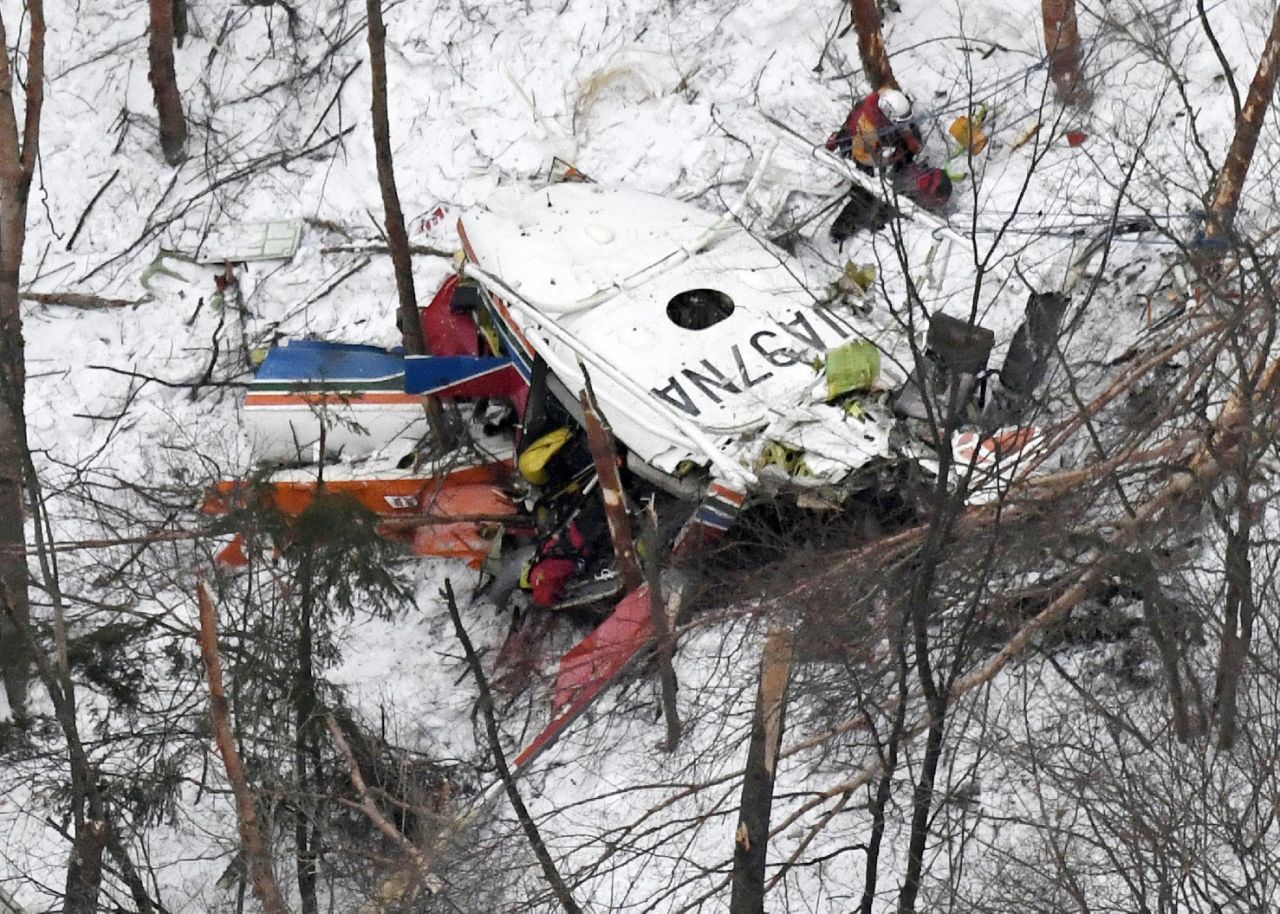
[{"x": 549, "y": 870}]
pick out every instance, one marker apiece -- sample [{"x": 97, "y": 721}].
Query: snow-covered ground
[{"x": 664, "y": 97}]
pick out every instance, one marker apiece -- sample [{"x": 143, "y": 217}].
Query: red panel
[
  {"x": 589, "y": 668},
  {"x": 602, "y": 654},
  {"x": 447, "y": 332},
  {"x": 464, "y": 539},
  {"x": 233, "y": 555}
]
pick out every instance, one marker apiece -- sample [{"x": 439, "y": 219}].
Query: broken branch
[
  {"x": 558, "y": 886},
  {"x": 255, "y": 848},
  {"x": 366, "y": 804},
  {"x": 79, "y": 300},
  {"x": 88, "y": 209},
  {"x": 422, "y": 249}
]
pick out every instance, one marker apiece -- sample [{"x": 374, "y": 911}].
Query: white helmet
[{"x": 895, "y": 105}]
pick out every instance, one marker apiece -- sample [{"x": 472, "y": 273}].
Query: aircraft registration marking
[{"x": 707, "y": 381}]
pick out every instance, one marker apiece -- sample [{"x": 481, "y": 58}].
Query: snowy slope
[{"x": 657, "y": 96}]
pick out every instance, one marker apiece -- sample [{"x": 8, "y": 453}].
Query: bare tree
[
  {"x": 164, "y": 82},
  {"x": 1226, "y": 194},
  {"x": 397, "y": 236},
  {"x": 875, "y": 59},
  {"x": 19, "y": 154}
]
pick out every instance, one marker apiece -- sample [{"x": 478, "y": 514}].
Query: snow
[{"x": 656, "y": 97}]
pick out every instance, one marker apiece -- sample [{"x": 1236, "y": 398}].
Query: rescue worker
[
  {"x": 568, "y": 513},
  {"x": 878, "y": 132}
]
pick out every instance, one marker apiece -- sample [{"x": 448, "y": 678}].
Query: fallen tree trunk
[
  {"x": 78, "y": 300},
  {"x": 423, "y": 249},
  {"x": 604, "y": 453}
]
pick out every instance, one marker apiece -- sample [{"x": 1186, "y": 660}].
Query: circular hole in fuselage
[{"x": 698, "y": 309}]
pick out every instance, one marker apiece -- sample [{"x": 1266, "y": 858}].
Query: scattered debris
[
  {"x": 277, "y": 240},
  {"x": 1025, "y": 137}
]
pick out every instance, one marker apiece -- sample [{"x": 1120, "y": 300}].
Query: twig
[
  {"x": 88, "y": 209},
  {"x": 142, "y": 539},
  {"x": 339, "y": 280},
  {"x": 177, "y": 385},
  {"x": 333, "y": 101}
]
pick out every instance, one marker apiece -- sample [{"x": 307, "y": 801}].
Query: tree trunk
[
  {"x": 875, "y": 59},
  {"x": 1237, "y": 633},
  {"x": 18, "y": 156},
  {"x": 129, "y": 873},
  {"x": 84, "y": 870},
  {"x": 255, "y": 847},
  {"x": 604, "y": 454},
  {"x": 1155, "y": 614},
  {"x": 922, "y": 811},
  {"x": 1226, "y": 195},
  {"x": 936, "y": 696},
  {"x": 397, "y": 237},
  {"x": 306, "y": 811},
  {"x": 415, "y": 343},
  {"x": 662, "y": 622},
  {"x": 164, "y": 82},
  {"x": 15, "y": 659},
  {"x": 884, "y": 787},
  {"x": 1062, "y": 45},
  {"x": 751, "y": 841},
  {"x": 179, "y": 21}
]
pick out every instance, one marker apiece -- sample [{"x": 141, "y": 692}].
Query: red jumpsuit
[{"x": 872, "y": 139}]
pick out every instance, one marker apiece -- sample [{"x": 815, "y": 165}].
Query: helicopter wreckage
[{"x": 728, "y": 371}]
